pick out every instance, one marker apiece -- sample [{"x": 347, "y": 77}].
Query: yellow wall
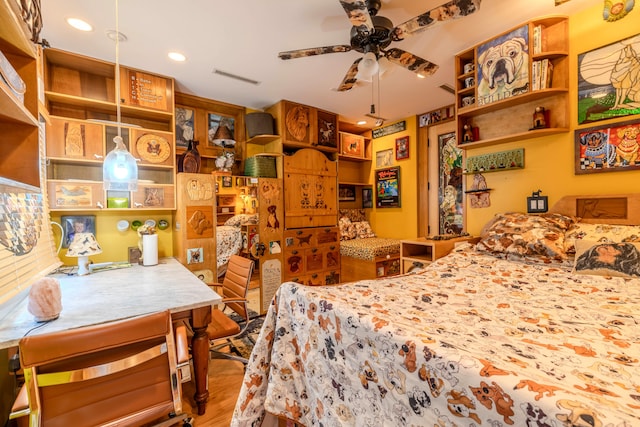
[
  {"x": 402, "y": 222},
  {"x": 549, "y": 161}
]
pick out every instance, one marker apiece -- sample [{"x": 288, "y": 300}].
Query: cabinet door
[
  {"x": 154, "y": 197},
  {"x": 297, "y": 123},
  {"x": 75, "y": 195},
  {"x": 73, "y": 139}
]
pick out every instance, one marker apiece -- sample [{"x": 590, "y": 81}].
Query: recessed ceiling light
[
  {"x": 420, "y": 76},
  {"x": 362, "y": 122},
  {"x": 177, "y": 56},
  {"x": 79, "y": 24}
]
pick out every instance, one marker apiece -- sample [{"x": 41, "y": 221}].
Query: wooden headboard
[{"x": 602, "y": 209}]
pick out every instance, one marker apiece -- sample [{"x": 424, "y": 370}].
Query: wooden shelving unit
[
  {"x": 510, "y": 118},
  {"x": 423, "y": 251}
]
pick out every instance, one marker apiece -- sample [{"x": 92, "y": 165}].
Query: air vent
[
  {"x": 235, "y": 76},
  {"x": 448, "y": 89}
]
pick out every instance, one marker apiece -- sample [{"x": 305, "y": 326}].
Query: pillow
[
  {"x": 621, "y": 259},
  {"x": 604, "y": 233},
  {"x": 238, "y": 220},
  {"x": 363, "y": 229},
  {"x": 525, "y": 235},
  {"x": 354, "y": 215},
  {"x": 347, "y": 230}
]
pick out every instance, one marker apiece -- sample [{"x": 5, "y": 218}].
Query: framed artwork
[
  {"x": 367, "y": 197},
  {"x": 76, "y": 224},
  {"x": 402, "y": 148},
  {"x": 327, "y": 129},
  {"x": 514, "y": 48},
  {"x": 602, "y": 73},
  {"x": 185, "y": 129},
  {"x": 346, "y": 193},
  {"x": 388, "y": 187},
  {"x": 608, "y": 148},
  {"x": 384, "y": 158},
  {"x": 450, "y": 185},
  {"x": 352, "y": 145},
  {"x": 221, "y": 128},
  {"x": 227, "y": 181}
]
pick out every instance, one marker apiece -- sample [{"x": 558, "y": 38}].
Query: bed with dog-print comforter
[{"x": 472, "y": 340}]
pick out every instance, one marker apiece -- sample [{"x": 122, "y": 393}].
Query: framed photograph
[
  {"x": 450, "y": 185},
  {"x": 346, "y": 193},
  {"x": 222, "y": 130},
  {"x": 384, "y": 158},
  {"x": 76, "y": 224},
  {"x": 598, "y": 71},
  {"x": 402, "y": 148},
  {"x": 608, "y": 148},
  {"x": 227, "y": 181},
  {"x": 367, "y": 197},
  {"x": 185, "y": 129},
  {"x": 388, "y": 187}
]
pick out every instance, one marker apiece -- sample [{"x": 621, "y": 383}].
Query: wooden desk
[{"x": 112, "y": 295}]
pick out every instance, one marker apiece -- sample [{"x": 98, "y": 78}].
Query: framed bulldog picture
[{"x": 503, "y": 67}]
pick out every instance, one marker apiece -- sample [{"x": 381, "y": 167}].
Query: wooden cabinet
[
  {"x": 501, "y": 106},
  {"x": 421, "y": 251},
  {"x": 80, "y": 97},
  {"x": 312, "y": 255},
  {"x": 302, "y": 126},
  {"x": 354, "y": 160},
  {"x": 19, "y": 148}
]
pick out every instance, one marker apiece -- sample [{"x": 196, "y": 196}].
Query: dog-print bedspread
[
  {"x": 471, "y": 340},
  {"x": 229, "y": 242}
]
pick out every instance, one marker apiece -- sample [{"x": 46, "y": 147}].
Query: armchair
[
  {"x": 233, "y": 289},
  {"x": 120, "y": 373}
]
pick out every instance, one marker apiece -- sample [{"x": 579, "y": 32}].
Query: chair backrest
[
  {"x": 122, "y": 372},
  {"x": 236, "y": 282}
]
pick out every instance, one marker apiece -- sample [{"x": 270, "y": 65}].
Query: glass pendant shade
[
  {"x": 368, "y": 67},
  {"x": 120, "y": 170}
]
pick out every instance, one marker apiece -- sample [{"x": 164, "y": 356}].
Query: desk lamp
[{"x": 83, "y": 245}]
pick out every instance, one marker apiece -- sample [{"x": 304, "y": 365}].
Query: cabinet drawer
[
  {"x": 300, "y": 239},
  {"x": 73, "y": 139},
  {"x": 328, "y": 235},
  {"x": 75, "y": 195}
]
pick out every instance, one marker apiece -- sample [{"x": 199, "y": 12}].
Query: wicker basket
[{"x": 260, "y": 166}]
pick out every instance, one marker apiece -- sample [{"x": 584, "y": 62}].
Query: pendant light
[{"x": 119, "y": 170}]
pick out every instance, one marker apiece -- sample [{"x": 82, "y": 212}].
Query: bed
[
  {"x": 363, "y": 254},
  {"x": 229, "y": 239},
  {"x": 495, "y": 334}
]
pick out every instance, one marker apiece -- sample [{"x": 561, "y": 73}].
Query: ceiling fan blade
[
  {"x": 453, "y": 9},
  {"x": 350, "y": 78},
  {"x": 411, "y": 62},
  {"x": 358, "y": 14},
  {"x": 301, "y": 53}
]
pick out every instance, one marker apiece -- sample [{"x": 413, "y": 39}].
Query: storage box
[
  {"x": 259, "y": 124},
  {"x": 262, "y": 166},
  {"x": 9, "y": 76}
]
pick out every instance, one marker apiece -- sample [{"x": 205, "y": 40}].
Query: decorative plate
[{"x": 153, "y": 148}]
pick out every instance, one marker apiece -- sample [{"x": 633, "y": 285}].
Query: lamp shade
[
  {"x": 223, "y": 137},
  {"x": 83, "y": 245},
  {"x": 120, "y": 170},
  {"x": 368, "y": 67}
]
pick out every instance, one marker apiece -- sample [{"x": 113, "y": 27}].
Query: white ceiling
[{"x": 243, "y": 37}]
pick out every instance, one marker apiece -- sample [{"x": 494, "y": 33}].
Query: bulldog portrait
[{"x": 504, "y": 70}]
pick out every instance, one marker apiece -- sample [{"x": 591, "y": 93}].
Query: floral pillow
[
  {"x": 347, "y": 230},
  {"x": 524, "y": 235},
  {"x": 604, "y": 233},
  {"x": 621, "y": 259},
  {"x": 354, "y": 215},
  {"x": 363, "y": 229}
]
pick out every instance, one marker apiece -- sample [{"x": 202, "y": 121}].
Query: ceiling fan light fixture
[{"x": 368, "y": 67}]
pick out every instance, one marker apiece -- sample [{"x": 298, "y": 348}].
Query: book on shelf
[
  {"x": 535, "y": 75},
  {"x": 537, "y": 39}
]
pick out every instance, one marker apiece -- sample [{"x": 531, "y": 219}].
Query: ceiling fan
[{"x": 371, "y": 34}]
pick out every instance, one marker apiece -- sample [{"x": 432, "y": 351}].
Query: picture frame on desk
[
  {"x": 608, "y": 148},
  {"x": 76, "y": 224}
]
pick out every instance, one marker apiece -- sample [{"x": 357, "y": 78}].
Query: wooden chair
[
  {"x": 121, "y": 373},
  {"x": 233, "y": 290}
]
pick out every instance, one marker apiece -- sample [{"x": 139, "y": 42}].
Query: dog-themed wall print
[
  {"x": 609, "y": 81},
  {"x": 195, "y": 256},
  {"x": 608, "y": 148},
  {"x": 503, "y": 67}
]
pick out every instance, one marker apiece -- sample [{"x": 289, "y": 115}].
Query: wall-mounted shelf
[{"x": 262, "y": 139}]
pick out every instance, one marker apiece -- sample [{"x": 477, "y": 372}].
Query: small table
[
  {"x": 424, "y": 251},
  {"x": 118, "y": 294}
]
